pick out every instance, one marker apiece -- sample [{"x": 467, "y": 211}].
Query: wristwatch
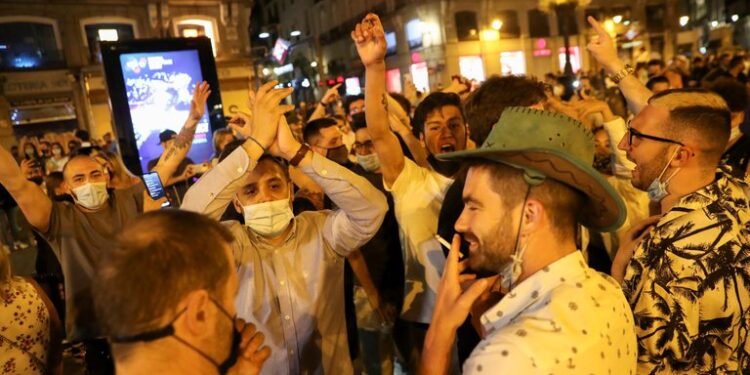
[
  {"x": 624, "y": 72},
  {"x": 299, "y": 155}
]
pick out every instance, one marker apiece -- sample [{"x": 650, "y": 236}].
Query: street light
[
  {"x": 314, "y": 64},
  {"x": 617, "y": 18},
  {"x": 735, "y": 17},
  {"x": 564, "y": 8},
  {"x": 684, "y": 20},
  {"x": 264, "y": 35},
  {"x": 295, "y": 33},
  {"x": 497, "y": 24}
]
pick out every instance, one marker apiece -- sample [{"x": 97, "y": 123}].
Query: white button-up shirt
[
  {"x": 564, "y": 319},
  {"x": 294, "y": 292}
]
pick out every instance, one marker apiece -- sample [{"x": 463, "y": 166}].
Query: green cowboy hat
[{"x": 547, "y": 144}]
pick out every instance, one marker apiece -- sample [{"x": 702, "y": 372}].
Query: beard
[
  {"x": 649, "y": 171},
  {"x": 492, "y": 252}
]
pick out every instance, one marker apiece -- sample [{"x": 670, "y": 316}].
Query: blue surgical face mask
[
  {"x": 658, "y": 188},
  {"x": 369, "y": 162}
]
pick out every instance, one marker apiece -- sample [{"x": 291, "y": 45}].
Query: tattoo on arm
[
  {"x": 384, "y": 100},
  {"x": 183, "y": 140}
]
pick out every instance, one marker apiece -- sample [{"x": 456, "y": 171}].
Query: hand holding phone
[{"x": 154, "y": 187}]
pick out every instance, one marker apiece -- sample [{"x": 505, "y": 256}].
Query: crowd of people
[{"x": 591, "y": 224}]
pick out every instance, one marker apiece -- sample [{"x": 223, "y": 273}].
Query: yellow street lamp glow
[
  {"x": 489, "y": 35},
  {"x": 684, "y": 20},
  {"x": 497, "y": 24},
  {"x": 617, "y": 18}
]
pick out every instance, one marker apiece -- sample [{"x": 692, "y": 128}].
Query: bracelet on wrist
[
  {"x": 257, "y": 143},
  {"x": 622, "y": 73}
]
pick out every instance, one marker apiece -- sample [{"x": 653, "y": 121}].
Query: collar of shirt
[
  {"x": 533, "y": 289},
  {"x": 265, "y": 248},
  {"x": 726, "y": 191}
]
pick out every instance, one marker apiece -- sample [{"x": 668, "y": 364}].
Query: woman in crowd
[
  {"x": 221, "y": 138},
  {"x": 57, "y": 160},
  {"x": 30, "y": 331}
]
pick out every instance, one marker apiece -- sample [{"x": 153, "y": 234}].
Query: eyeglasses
[
  {"x": 367, "y": 145},
  {"x": 635, "y": 133}
]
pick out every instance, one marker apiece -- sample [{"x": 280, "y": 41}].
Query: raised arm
[
  {"x": 173, "y": 156},
  {"x": 370, "y": 40},
  {"x": 329, "y": 97},
  {"x": 214, "y": 191},
  {"x": 605, "y": 52},
  {"x": 32, "y": 201}
]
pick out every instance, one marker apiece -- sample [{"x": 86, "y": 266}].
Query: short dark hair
[
  {"x": 351, "y": 99},
  {"x": 155, "y": 262},
  {"x": 736, "y": 61},
  {"x": 432, "y": 102},
  {"x": 359, "y": 121},
  {"x": 562, "y": 203},
  {"x": 312, "y": 129},
  {"x": 658, "y": 62},
  {"x": 402, "y": 101},
  {"x": 733, "y": 92},
  {"x": 82, "y": 135},
  {"x": 654, "y": 80},
  {"x": 485, "y": 105}
]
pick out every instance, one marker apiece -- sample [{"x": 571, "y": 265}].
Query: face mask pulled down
[
  {"x": 658, "y": 188},
  {"x": 369, "y": 162},
  {"x": 268, "y": 219},
  {"x": 91, "y": 195}
]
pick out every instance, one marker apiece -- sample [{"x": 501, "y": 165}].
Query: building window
[
  {"x": 100, "y": 29},
  {"x": 510, "y": 27},
  {"x": 538, "y": 24},
  {"x": 471, "y": 67},
  {"x": 414, "y": 33},
  {"x": 195, "y": 26},
  {"x": 30, "y": 43},
  {"x": 390, "y": 41},
  {"x": 467, "y": 27},
  {"x": 513, "y": 62},
  {"x": 655, "y": 18}
]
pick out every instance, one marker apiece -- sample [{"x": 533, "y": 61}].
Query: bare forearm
[
  {"x": 376, "y": 102},
  {"x": 635, "y": 92},
  {"x": 32, "y": 201},
  {"x": 319, "y": 112},
  {"x": 174, "y": 155},
  {"x": 436, "y": 354},
  {"x": 415, "y": 148}
]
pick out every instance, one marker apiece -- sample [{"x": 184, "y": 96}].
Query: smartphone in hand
[{"x": 154, "y": 187}]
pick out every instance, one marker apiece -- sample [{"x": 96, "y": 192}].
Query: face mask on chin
[
  {"x": 91, "y": 195},
  {"x": 268, "y": 219},
  {"x": 444, "y": 167},
  {"x": 658, "y": 188}
]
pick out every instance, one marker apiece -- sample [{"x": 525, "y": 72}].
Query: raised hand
[
  {"x": 369, "y": 38},
  {"x": 331, "y": 95},
  {"x": 285, "y": 146},
  {"x": 266, "y": 111},
  {"x": 198, "y": 103},
  {"x": 603, "y": 48}
]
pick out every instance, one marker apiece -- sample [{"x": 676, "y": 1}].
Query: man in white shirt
[
  {"x": 290, "y": 267},
  {"x": 417, "y": 192},
  {"x": 527, "y": 188}
]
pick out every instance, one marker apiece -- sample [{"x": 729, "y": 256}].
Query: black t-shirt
[{"x": 738, "y": 156}]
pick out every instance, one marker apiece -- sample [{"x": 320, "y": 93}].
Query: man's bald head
[
  {"x": 698, "y": 118},
  {"x": 81, "y": 169}
]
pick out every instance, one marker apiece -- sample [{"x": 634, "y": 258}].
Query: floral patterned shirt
[
  {"x": 688, "y": 284},
  {"x": 24, "y": 330}
]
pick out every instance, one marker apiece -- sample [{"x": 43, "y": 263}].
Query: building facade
[
  {"x": 432, "y": 40},
  {"x": 51, "y": 77}
]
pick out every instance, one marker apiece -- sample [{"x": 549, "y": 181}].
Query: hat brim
[{"x": 604, "y": 209}]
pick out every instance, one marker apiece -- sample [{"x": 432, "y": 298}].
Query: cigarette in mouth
[{"x": 447, "y": 245}]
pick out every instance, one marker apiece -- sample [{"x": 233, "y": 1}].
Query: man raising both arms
[{"x": 80, "y": 232}]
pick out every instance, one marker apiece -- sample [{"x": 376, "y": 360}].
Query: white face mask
[
  {"x": 268, "y": 219},
  {"x": 512, "y": 271},
  {"x": 369, "y": 162},
  {"x": 56, "y": 152},
  {"x": 658, "y": 188},
  {"x": 91, "y": 195}
]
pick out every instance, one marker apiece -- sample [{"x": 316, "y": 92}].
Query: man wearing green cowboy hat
[{"x": 527, "y": 188}]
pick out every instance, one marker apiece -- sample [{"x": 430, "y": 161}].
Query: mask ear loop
[
  {"x": 667, "y": 166},
  {"x": 517, "y": 256}
]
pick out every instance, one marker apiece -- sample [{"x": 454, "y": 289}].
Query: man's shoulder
[{"x": 418, "y": 180}]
